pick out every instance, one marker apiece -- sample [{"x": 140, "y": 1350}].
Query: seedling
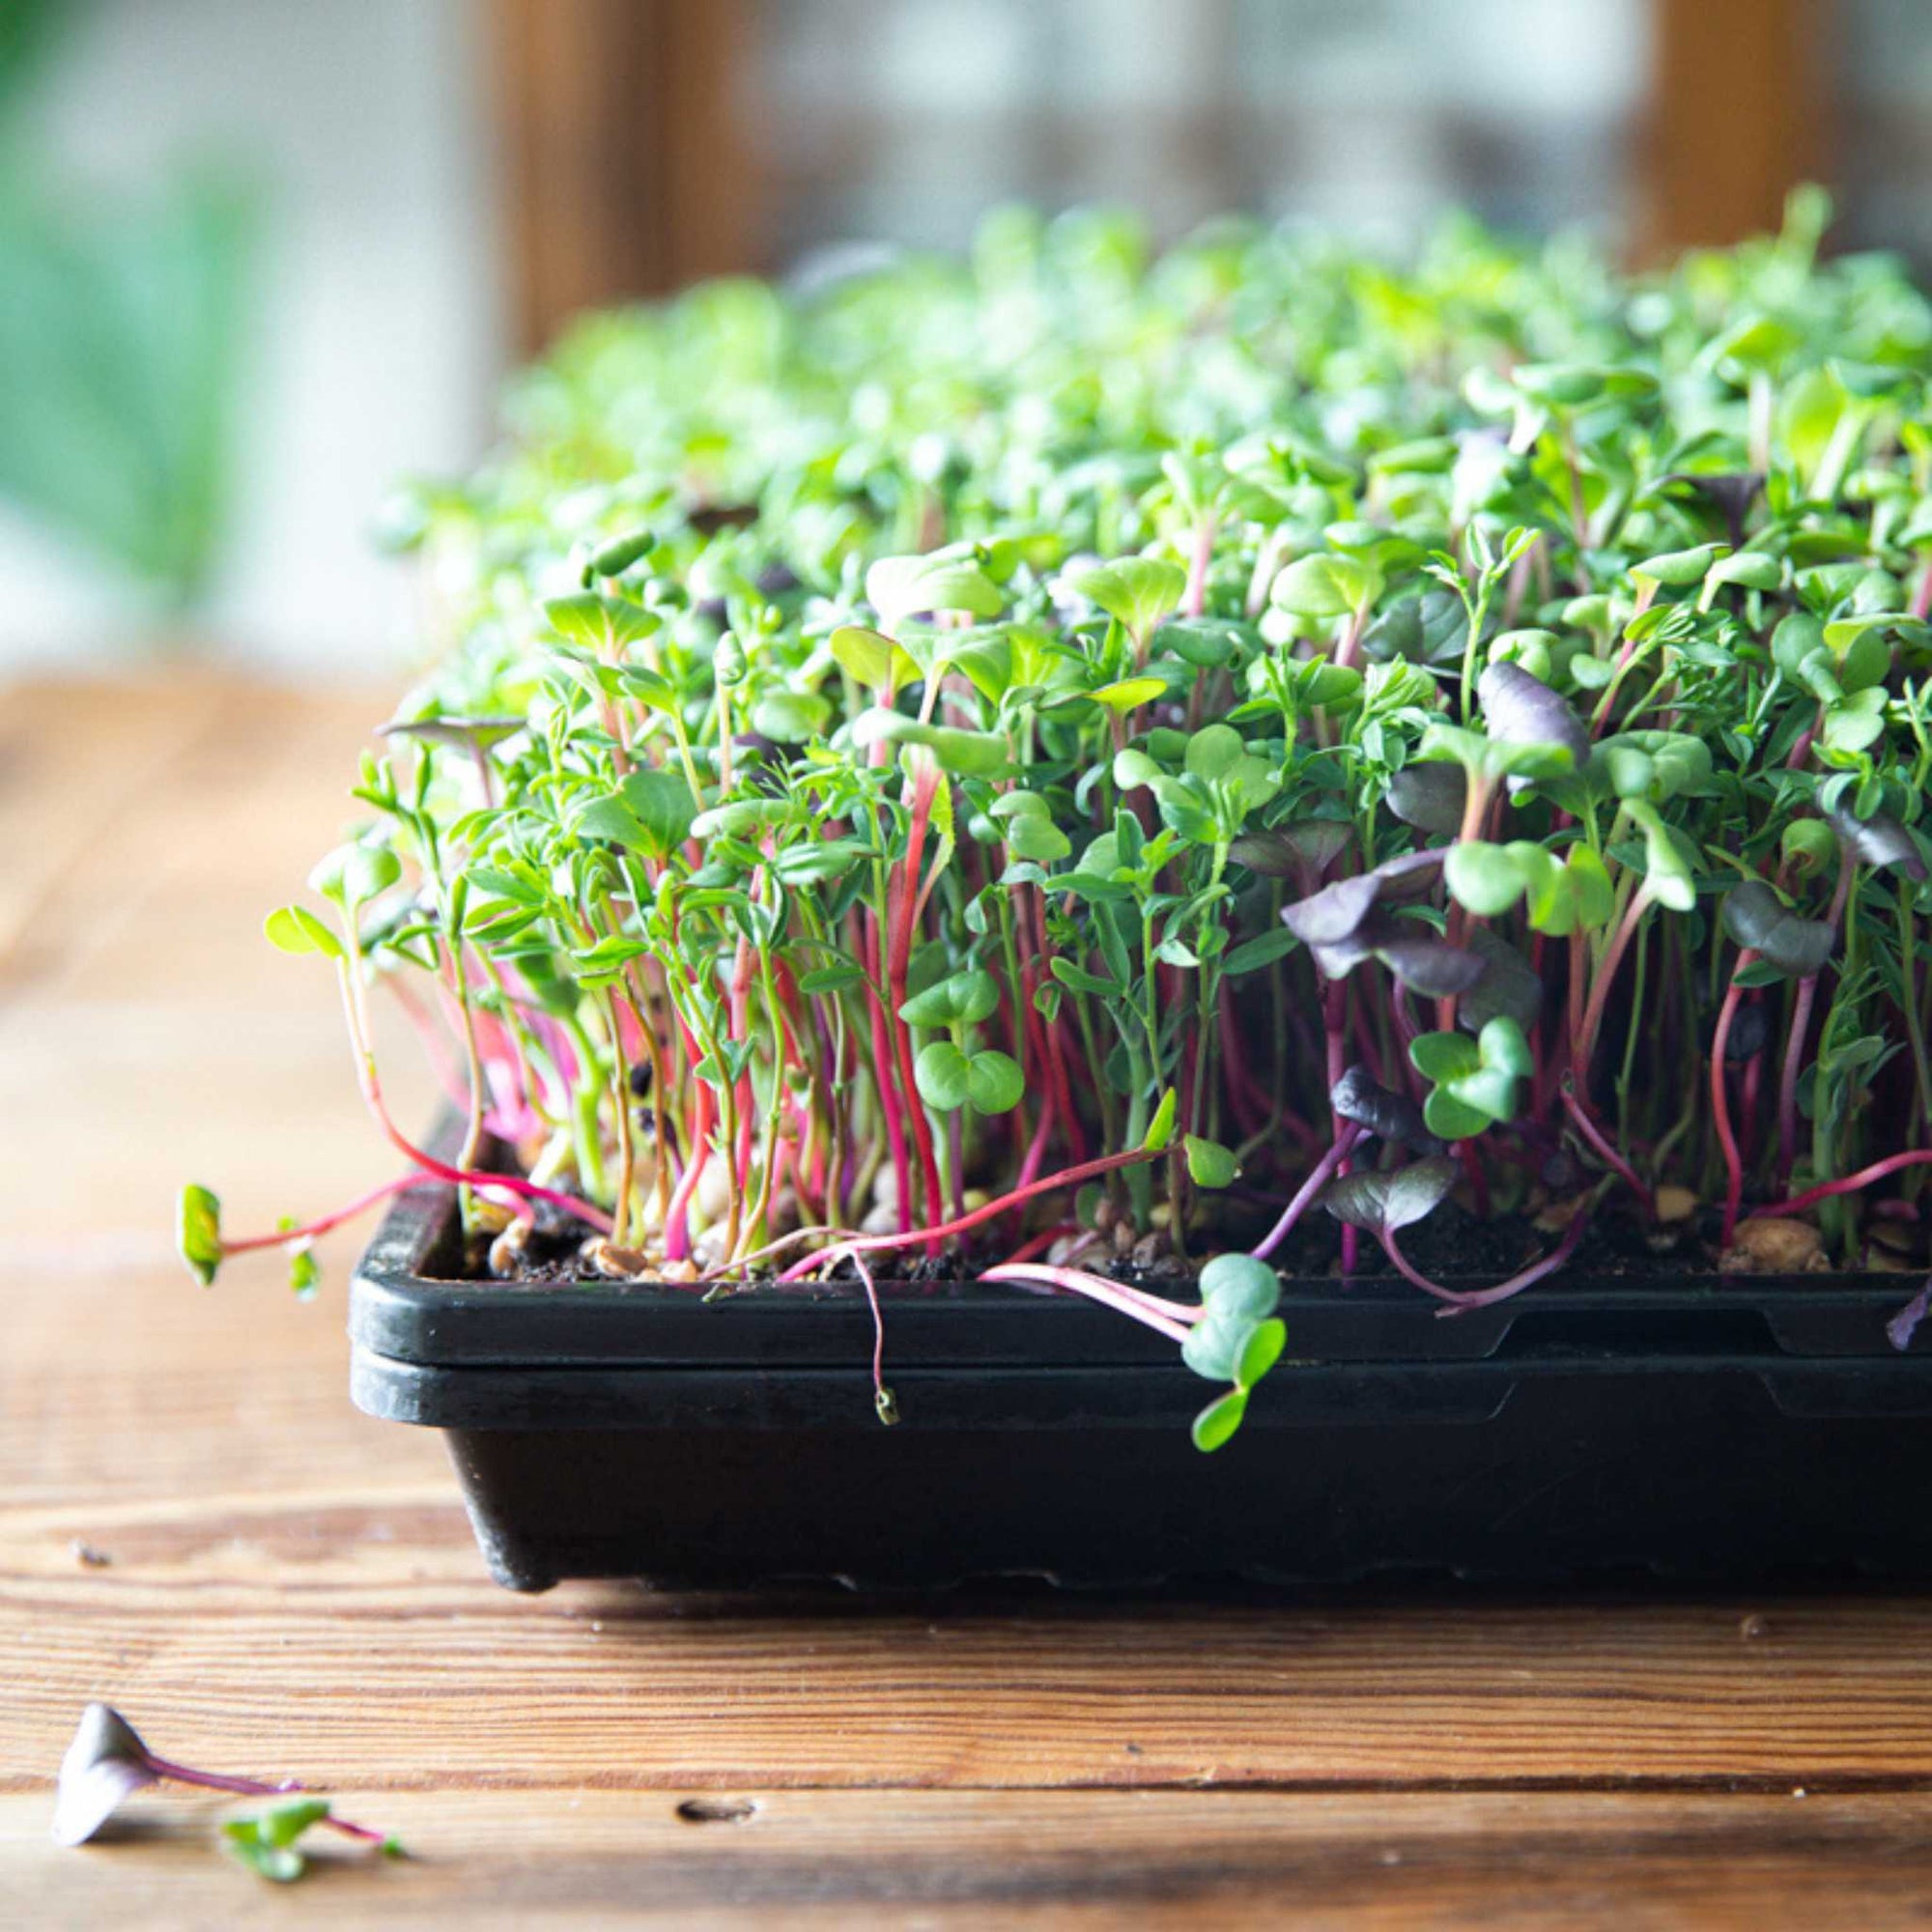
[
  {"x": 1046, "y": 772},
  {"x": 108, "y": 1762}
]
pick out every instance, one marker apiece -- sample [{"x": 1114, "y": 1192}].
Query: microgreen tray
[{"x": 1704, "y": 1427}]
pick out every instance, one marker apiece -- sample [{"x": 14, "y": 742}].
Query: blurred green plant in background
[{"x": 122, "y": 325}]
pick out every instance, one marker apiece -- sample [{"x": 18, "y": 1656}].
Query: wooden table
[{"x": 195, "y": 1525}]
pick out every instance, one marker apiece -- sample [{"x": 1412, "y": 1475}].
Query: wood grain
[
  {"x": 630, "y": 170},
  {"x": 1045, "y": 1859},
  {"x": 1737, "y": 117},
  {"x": 291, "y": 1589}
]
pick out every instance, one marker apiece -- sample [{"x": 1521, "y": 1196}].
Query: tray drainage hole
[{"x": 717, "y": 1811}]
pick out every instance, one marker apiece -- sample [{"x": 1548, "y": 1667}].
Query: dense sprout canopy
[{"x": 977, "y": 751}]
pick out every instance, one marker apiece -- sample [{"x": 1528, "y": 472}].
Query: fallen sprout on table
[
  {"x": 1067, "y": 762},
  {"x": 107, "y": 1763}
]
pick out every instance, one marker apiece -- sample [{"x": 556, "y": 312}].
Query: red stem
[
  {"x": 313, "y": 1230},
  {"x": 255, "y": 1787},
  {"x": 1164, "y": 1317},
  {"x": 882, "y": 1064},
  {"x": 677, "y": 1230},
  {"x": 1327, "y": 1166},
  {"x": 1070, "y": 1176},
  {"x": 1793, "y": 1045},
  {"x": 906, "y": 884},
  {"x": 1601, "y": 1146},
  {"x": 1583, "y": 1047},
  {"x": 1460, "y": 1300},
  {"x": 1787, "y": 1084},
  {"x": 1720, "y": 1104},
  {"x": 1850, "y": 1185}
]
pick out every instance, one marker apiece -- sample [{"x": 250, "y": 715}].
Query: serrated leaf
[{"x": 1138, "y": 591}]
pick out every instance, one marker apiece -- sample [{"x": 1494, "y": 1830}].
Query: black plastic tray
[{"x": 1710, "y": 1428}]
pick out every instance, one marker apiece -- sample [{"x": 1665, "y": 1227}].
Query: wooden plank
[
  {"x": 148, "y": 1033},
  {"x": 291, "y": 1588},
  {"x": 1737, "y": 117},
  {"x": 1054, "y": 1858},
  {"x": 313, "y": 1603},
  {"x": 630, "y": 171}
]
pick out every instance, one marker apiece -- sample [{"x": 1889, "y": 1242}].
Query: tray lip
[{"x": 398, "y": 1314}]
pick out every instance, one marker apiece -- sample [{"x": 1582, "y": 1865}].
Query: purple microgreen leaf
[
  {"x": 1880, "y": 841},
  {"x": 1426, "y": 964},
  {"x": 1381, "y": 1203},
  {"x": 1754, "y": 916},
  {"x": 1273, "y": 854},
  {"x": 1519, "y": 709},
  {"x": 1330, "y": 916},
  {"x": 1430, "y": 796},
  {"x": 1359, "y": 1096},
  {"x": 1903, "y": 1325},
  {"x": 1508, "y": 989},
  {"x": 105, "y": 1763}
]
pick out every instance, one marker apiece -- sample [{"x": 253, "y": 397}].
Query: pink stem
[
  {"x": 1460, "y": 1300},
  {"x": 1601, "y": 1146},
  {"x": 1164, "y": 1317},
  {"x": 677, "y": 1229},
  {"x": 1327, "y": 1166},
  {"x": 313, "y": 1230},
  {"x": 1584, "y": 1047},
  {"x": 1035, "y": 1153},
  {"x": 1721, "y": 1103},
  {"x": 899, "y": 963},
  {"x": 1334, "y": 1021},
  {"x": 1800, "y": 1025},
  {"x": 506, "y": 1183},
  {"x": 1850, "y": 1185},
  {"x": 255, "y": 1787},
  {"x": 1070, "y": 1176},
  {"x": 882, "y": 1064},
  {"x": 1787, "y": 1083},
  {"x": 878, "y": 1332},
  {"x": 1041, "y": 1241}
]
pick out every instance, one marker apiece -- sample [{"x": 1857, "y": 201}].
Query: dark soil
[{"x": 1453, "y": 1247}]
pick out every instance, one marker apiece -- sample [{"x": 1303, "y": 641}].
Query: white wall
[{"x": 381, "y": 321}]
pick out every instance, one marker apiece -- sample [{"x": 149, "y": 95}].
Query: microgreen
[
  {"x": 1062, "y": 761},
  {"x": 108, "y": 1761}
]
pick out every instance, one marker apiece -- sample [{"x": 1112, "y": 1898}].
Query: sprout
[
  {"x": 985, "y": 816},
  {"x": 108, "y": 1762}
]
